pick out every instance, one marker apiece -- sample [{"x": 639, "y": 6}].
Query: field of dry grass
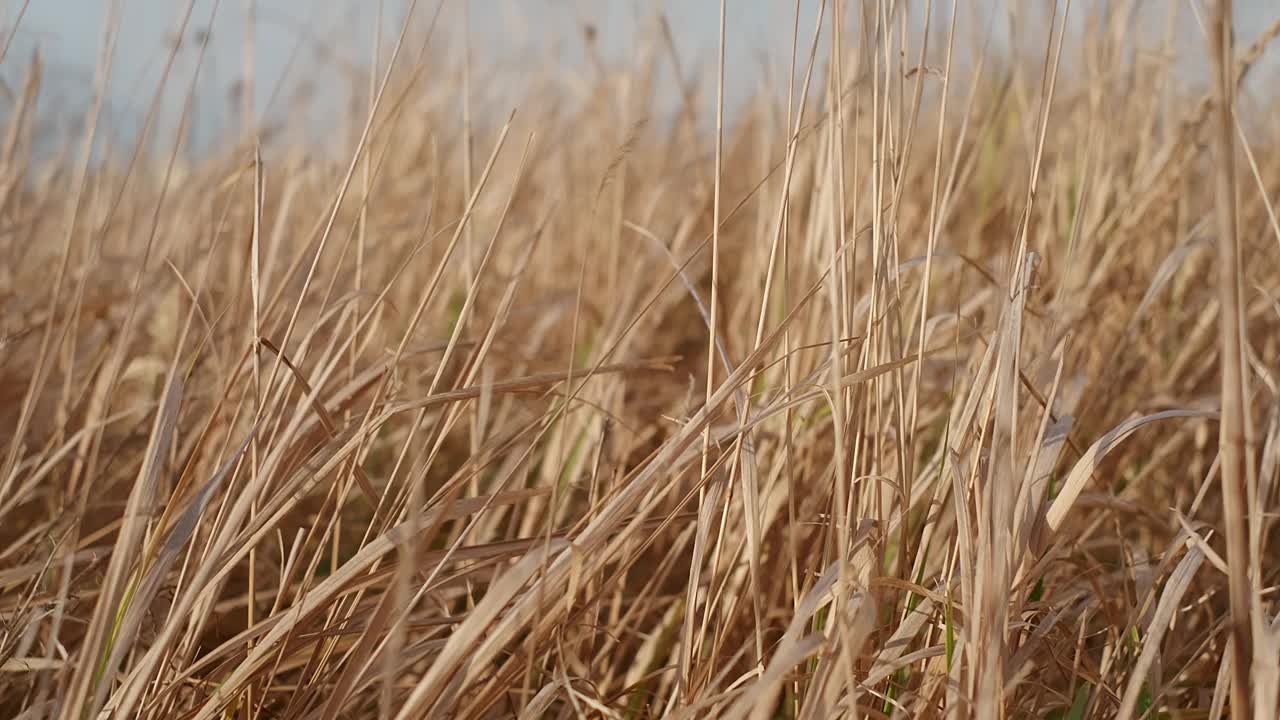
[{"x": 901, "y": 400}]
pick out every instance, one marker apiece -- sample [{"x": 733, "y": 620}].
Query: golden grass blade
[
  {"x": 1176, "y": 586},
  {"x": 466, "y": 654},
  {"x": 794, "y": 648},
  {"x": 149, "y": 584},
  {"x": 116, "y": 600},
  {"x": 1073, "y": 485},
  {"x": 1235, "y": 431}
]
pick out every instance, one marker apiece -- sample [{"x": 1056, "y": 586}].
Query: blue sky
[{"x": 327, "y": 38}]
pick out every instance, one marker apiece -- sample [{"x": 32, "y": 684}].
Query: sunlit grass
[{"x": 413, "y": 422}]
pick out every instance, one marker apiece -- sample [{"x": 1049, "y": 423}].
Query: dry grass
[{"x": 429, "y": 422}]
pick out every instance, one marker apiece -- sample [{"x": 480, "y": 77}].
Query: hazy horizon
[{"x": 335, "y": 42}]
